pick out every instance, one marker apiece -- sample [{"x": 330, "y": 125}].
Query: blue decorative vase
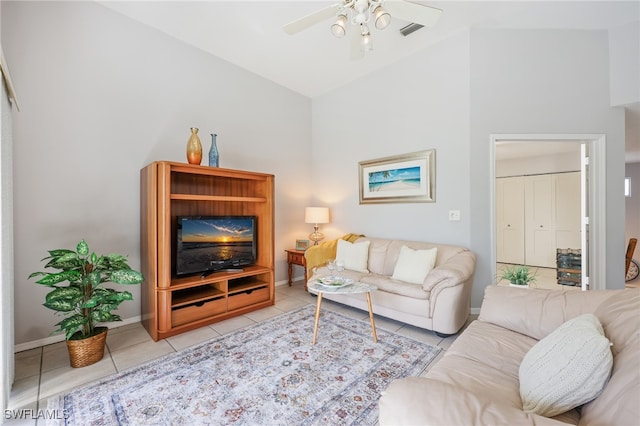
[{"x": 213, "y": 152}]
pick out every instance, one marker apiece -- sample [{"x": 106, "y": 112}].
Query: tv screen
[{"x": 211, "y": 243}]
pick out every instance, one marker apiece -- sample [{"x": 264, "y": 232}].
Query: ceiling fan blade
[
  {"x": 311, "y": 19},
  {"x": 412, "y": 12}
]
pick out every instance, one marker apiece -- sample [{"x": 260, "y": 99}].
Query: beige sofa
[
  {"x": 477, "y": 380},
  {"x": 440, "y": 303}
]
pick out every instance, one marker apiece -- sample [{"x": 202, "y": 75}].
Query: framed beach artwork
[{"x": 408, "y": 178}]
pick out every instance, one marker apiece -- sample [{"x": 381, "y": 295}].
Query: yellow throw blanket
[{"x": 320, "y": 254}]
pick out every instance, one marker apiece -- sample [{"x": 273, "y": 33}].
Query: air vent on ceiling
[{"x": 411, "y": 28}]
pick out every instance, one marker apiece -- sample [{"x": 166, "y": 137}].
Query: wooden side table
[{"x": 296, "y": 257}]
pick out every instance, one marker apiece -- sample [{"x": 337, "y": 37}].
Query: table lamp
[{"x": 316, "y": 215}]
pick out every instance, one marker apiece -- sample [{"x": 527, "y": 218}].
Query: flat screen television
[{"x": 206, "y": 244}]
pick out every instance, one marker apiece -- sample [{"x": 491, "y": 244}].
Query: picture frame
[
  {"x": 302, "y": 244},
  {"x": 407, "y": 178}
]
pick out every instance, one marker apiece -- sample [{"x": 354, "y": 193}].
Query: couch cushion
[
  {"x": 484, "y": 360},
  {"x": 537, "y": 312},
  {"x": 394, "y": 286},
  {"x": 619, "y": 402},
  {"x": 422, "y": 401},
  {"x": 567, "y": 368},
  {"x": 383, "y": 252},
  {"x": 414, "y": 265},
  {"x": 353, "y": 255},
  {"x": 377, "y": 254}
]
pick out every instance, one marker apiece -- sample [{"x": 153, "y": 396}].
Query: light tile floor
[{"x": 44, "y": 372}]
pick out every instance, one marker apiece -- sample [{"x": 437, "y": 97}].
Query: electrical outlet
[{"x": 454, "y": 215}]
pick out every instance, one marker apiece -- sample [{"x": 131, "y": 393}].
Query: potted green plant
[
  {"x": 518, "y": 275},
  {"x": 78, "y": 294}
]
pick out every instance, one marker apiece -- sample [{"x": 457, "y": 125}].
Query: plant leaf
[
  {"x": 36, "y": 274},
  {"x": 116, "y": 258},
  {"x": 66, "y": 260},
  {"x": 118, "y": 296},
  {"x": 94, "y": 278},
  {"x": 82, "y": 248},
  {"x": 59, "y": 252},
  {"x": 127, "y": 276},
  {"x": 51, "y": 279},
  {"x": 105, "y": 315},
  {"x": 89, "y": 304},
  {"x": 63, "y": 299},
  {"x": 71, "y": 324}
]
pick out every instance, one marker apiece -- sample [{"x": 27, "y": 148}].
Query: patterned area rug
[{"x": 266, "y": 374}]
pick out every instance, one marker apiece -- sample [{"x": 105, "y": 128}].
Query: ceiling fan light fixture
[
  {"x": 338, "y": 29},
  {"x": 367, "y": 41},
  {"x": 381, "y": 18}
]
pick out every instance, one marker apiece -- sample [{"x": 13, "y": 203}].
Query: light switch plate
[{"x": 454, "y": 215}]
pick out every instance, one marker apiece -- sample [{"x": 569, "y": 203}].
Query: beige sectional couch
[
  {"x": 441, "y": 302},
  {"x": 477, "y": 380}
]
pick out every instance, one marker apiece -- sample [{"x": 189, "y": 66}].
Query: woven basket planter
[{"x": 87, "y": 351}]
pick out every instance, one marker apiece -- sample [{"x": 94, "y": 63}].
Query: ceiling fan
[{"x": 361, "y": 13}]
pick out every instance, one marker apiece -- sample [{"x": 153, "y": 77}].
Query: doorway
[{"x": 510, "y": 171}]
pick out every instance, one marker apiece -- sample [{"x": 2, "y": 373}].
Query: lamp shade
[{"x": 316, "y": 215}]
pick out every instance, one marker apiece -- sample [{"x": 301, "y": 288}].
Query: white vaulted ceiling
[{"x": 249, "y": 33}]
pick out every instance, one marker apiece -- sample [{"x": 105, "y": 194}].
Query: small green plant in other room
[
  {"x": 79, "y": 295},
  {"x": 518, "y": 275}
]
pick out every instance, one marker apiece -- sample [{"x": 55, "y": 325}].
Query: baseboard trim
[
  {"x": 286, "y": 282},
  {"x": 60, "y": 337}
]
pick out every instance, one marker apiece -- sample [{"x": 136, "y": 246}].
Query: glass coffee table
[{"x": 337, "y": 285}]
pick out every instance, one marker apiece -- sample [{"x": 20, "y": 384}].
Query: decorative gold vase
[{"x": 194, "y": 148}]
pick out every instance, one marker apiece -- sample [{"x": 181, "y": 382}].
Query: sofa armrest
[
  {"x": 423, "y": 401},
  {"x": 536, "y": 312},
  {"x": 457, "y": 269}
]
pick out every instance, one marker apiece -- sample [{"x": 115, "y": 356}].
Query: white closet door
[
  {"x": 540, "y": 236},
  {"x": 567, "y": 198},
  {"x": 510, "y": 220}
]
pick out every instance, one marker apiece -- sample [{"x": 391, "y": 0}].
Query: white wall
[
  {"x": 632, "y": 206},
  {"x": 624, "y": 64},
  {"x": 6, "y": 246},
  {"x": 452, "y": 97},
  {"x": 535, "y": 81},
  {"x": 102, "y": 96},
  {"x": 419, "y": 103}
]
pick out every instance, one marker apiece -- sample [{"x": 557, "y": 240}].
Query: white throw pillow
[
  {"x": 353, "y": 255},
  {"x": 414, "y": 265},
  {"x": 567, "y": 368}
]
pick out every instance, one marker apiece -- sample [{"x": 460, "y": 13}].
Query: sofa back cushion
[
  {"x": 384, "y": 253},
  {"x": 537, "y": 312},
  {"x": 619, "y": 403},
  {"x": 377, "y": 254}
]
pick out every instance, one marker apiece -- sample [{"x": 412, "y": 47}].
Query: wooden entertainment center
[{"x": 173, "y": 305}]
